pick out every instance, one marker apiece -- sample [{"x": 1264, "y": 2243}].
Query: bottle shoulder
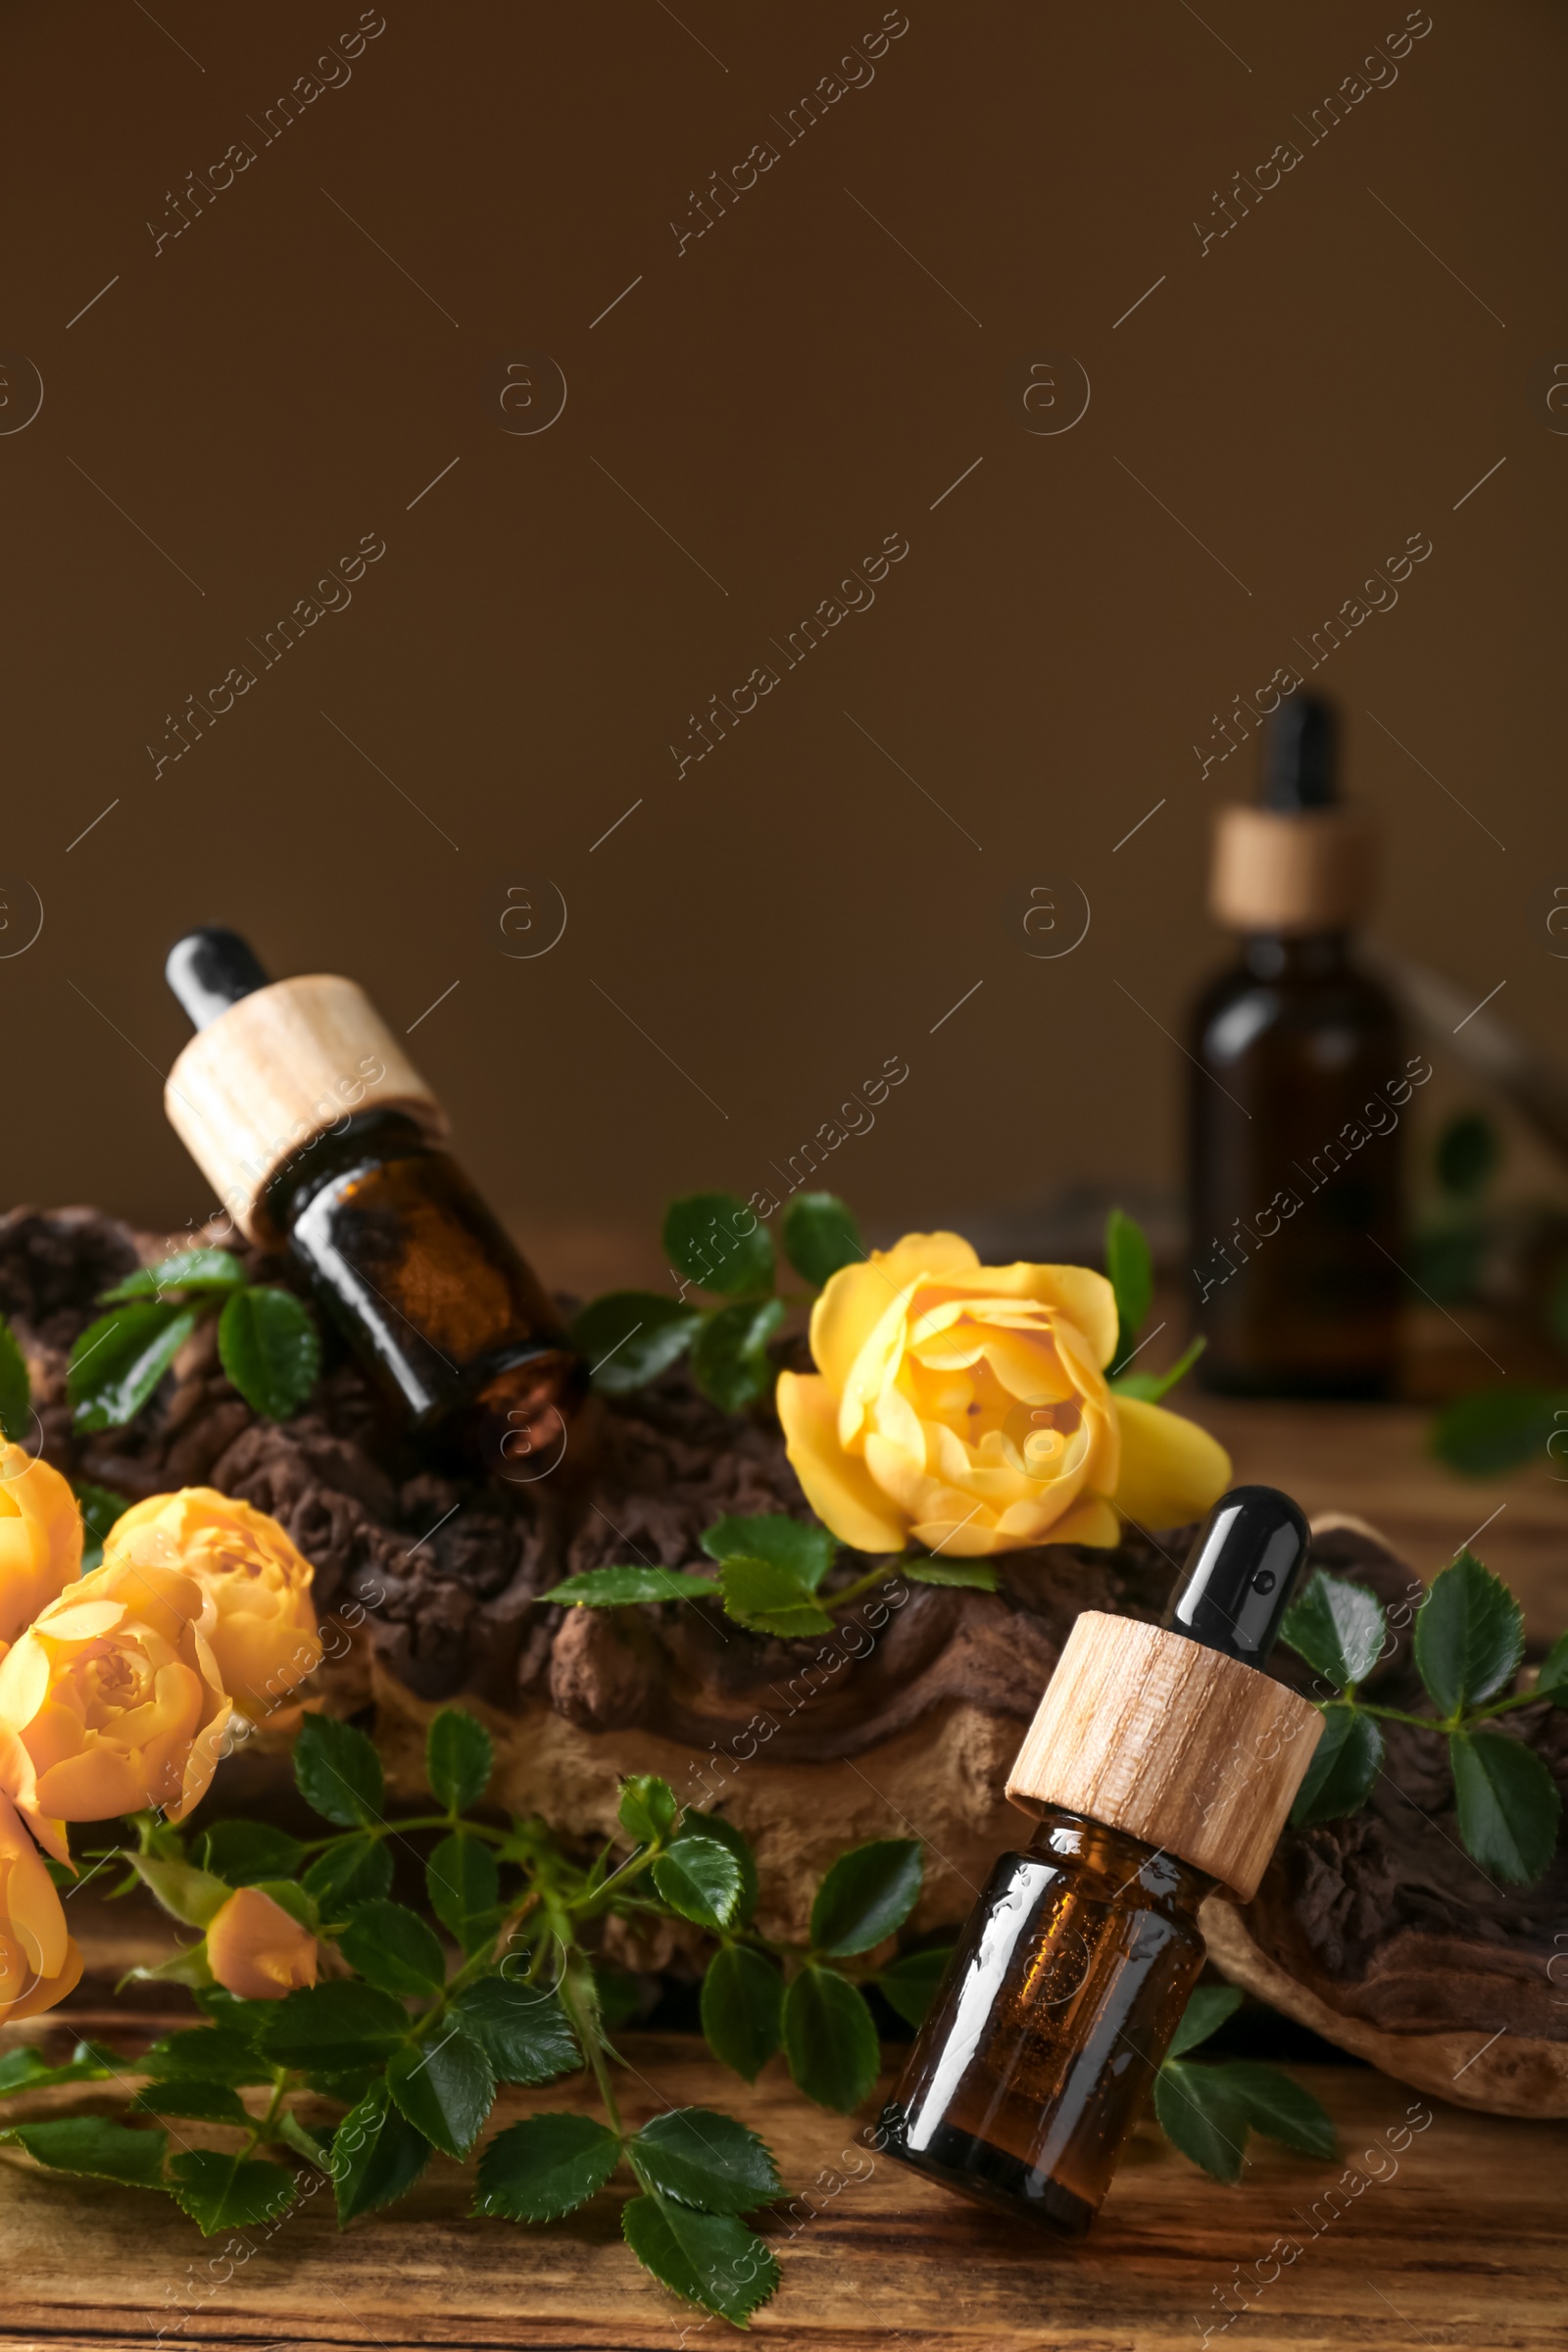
[{"x": 1241, "y": 1005}]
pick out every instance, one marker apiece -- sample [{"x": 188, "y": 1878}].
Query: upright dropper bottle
[
  {"x": 1161, "y": 1765},
  {"x": 1298, "y": 1083},
  {"x": 304, "y": 1113}
]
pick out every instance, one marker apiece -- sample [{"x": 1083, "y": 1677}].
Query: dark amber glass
[
  {"x": 431, "y": 1293},
  {"x": 1296, "y": 1152},
  {"x": 1056, "y": 2008}
]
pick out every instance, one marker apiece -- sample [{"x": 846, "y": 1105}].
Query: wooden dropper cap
[
  {"x": 1171, "y": 1733},
  {"x": 273, "y": 1065},
  {"x": 1302, "y": 862}
]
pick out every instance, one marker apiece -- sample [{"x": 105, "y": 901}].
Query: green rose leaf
[
  {"x": 221, "y": 2054},
  {"x": 23, "y": 2069},
  {"x": 909, "y": 1983},
  {"x": 743, "y": 2009},
  {"x": 99, "y": 1508},
  {"x": 443, "y": 2086},
  {"x": 338, "y": 1772},
  {"x": 353, "y": 1870},
  {"x": 628, "y": 1337},
  {"x": 16, "y": 1389},
  {"x": 1469, "y": 1635},
  {"x": 1281, "y": 2110},
  {"x": 1206, "y": 2012},
  {"x": 620, "y": 1587},
  {"x": 88, "y": 2144},
  {"x": 187, "y": 1270},
  {"x": 1198, "y": 2112},
  {"x": 714, "y": 1825},
  {"x": 1468, "y": 1150},
  {"x": 522, "y": 2029},
  {"x": 729, "y": 1358},
  {"x": 649, "y": 1809},
  {"x": 192, "y": 1897},
  {"x": 243, "y": 1851},
  {"x": 701, "y": 1879},
  {"x": 546, "y": 2166},
  {"x": 805, "y": 1549},
  {"x": 1345, "y": 1764},
  {"x": 188, "y": 2095},
  {"x": 393, "y": 1948},
  {"x": 269, "y": 1349},
  {"x": 829, "y": 2038},
  {"x": 820, "y": 1235},
  {"x": 705, "y": 2159},
  {"x": 1338, "y": 1628},
  {"x": 771, "y": 1599},
  {"x": 376, "y": 2155},
  {"x": 868, "y": 1893},
  {"x": 247, "y": 2019},
  {"x": 711, "y": 2259},
  {"x": 463, "y": 1884},
  {"x": 230, "y": 2192},
  {"x": 715, "y": 1241},
  {"x": 1151, "y": 1387},
  {"x": 1496, "y": 1429},
  {"x": 118, "y": 1362},
  {"x": 975, "y": 1576},
  {"x": 1132, "y": 1279},
  {"x": 332, "y": 2027},
  {"x": 458, "y": 1758},
  {"x": 1553, "y": 1681},
  {"x": 1509, "y": 1804}
]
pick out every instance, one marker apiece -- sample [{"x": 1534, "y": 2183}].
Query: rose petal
[
  {"x": 837, "y": 1485},
  {"x": 1171, "y": 1470}
]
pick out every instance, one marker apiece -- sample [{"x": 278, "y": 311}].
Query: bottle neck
[
  {"x": 1131, "y": 1868},
  {"x": 1297, "y": 955}
]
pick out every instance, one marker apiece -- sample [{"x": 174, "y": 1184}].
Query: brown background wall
[{"x": 330, "y": 332}]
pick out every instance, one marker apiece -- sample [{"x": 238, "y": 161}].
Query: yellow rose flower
[
  {"x": 39, "y": 1963},
  {"x": 255, "y": 1949},
  {"x": 113, "y": 1700},
  {"x": 264, "y": 1634},
  {"x": 40, "y": 1538},
  {"x": 965, "y": 1407}
]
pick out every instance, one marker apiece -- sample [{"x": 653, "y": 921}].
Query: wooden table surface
[{"x": 1460, "y": 2242}]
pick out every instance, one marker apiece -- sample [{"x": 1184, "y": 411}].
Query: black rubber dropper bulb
[
  {"x": 211, "y": 969},
  {"x": 1299, "y": 755},
  {"x": 1241, "y": 1574}
]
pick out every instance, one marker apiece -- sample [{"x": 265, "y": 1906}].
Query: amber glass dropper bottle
[
  {"x": 1161, "y": 1765},
  {"x": 303, "y": 1111},
  {"x": 1300, "y": 1075}
]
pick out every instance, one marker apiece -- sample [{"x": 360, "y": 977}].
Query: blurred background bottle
[{"x": 1295, "y": 1123}]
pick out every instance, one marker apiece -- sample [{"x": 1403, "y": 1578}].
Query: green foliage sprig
[
  {"x": 716, "y": 1244},
  {"x": 1468, "y": 1640},
  {"x": 267, "y": 1342},
  {"x": 772, "y": 1572},
  {"x": 1130, "y": 1270},
  {"x": 410, "y": 2036},
  {"x": 1208, "y": 2110}
]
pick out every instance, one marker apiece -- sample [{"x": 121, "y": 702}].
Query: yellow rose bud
[
  {"x": 40, "y": 1538},
  {"x": 39, "y": 1963},
  {"x": 264, "y": 1634},
  {"x": 112, "y": 1700},
  {"x": 965, "y": 1407},
  {"x": 255, "y": 1949}
]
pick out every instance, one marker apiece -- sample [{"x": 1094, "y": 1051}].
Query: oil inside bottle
[{"x": 1049, "y": 2025}]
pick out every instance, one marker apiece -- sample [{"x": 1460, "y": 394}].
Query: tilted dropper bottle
[
  {"x": 302, "y": 1109},
  {"x": 1161, "y": 1765}
]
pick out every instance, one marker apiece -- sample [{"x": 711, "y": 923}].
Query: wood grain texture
[
  {"x": 1453, "y": 2239},
  {"x": 1153, "y": 1734},
  {"x": 275, "y": 1069}
]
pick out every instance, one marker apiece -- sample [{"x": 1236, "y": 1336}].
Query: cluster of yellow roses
[{"x": 116, "y": 1692}]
